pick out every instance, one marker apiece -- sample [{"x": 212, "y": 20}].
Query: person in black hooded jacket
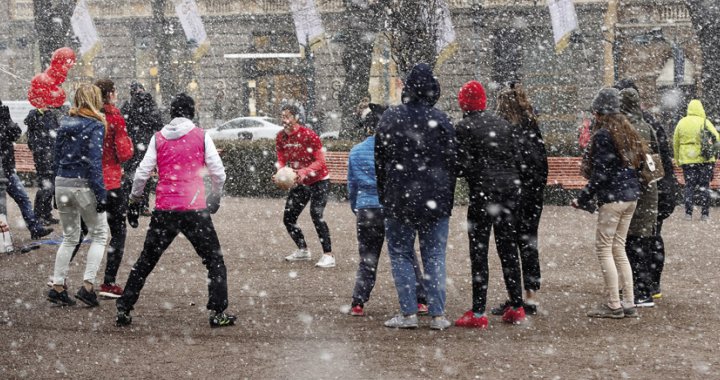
[
  {"x": 42, "y": 125},
  {"x": 490, "y": 160},
  {"x": 415, "y": 167}
]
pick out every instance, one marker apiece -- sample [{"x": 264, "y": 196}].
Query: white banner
[
  {"x": 445, "y": 42},
  {"x": 308, "y": 24},
  {"x": 84, "y": 29},
  {"x": 564, "y": 21},
  {"x": 189, "y": 15}
]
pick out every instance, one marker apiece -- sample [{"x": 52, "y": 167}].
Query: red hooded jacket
[
  {"x": 302, "y": 151},
  {"x": 117, "y": 147}
]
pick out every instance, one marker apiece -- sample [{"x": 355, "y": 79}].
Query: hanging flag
[
  {"x": 445, "y": 44},
  {"x": 84, "y": 29},
  {"x": 308, "y": 24},
  {"x": 564, "y": 21},
  {"x": 189, "y": 15}
]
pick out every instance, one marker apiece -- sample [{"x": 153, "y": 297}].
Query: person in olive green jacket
[{"x": 697, "y": 170}]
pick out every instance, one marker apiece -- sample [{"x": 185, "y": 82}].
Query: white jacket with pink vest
[{"x": 183, "y": 155}]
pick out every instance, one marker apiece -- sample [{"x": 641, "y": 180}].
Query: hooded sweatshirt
[
  {"x": 686, "y": 140},
  {"x": 415, "y": 153},
  {"x": 183, "y": 154}
]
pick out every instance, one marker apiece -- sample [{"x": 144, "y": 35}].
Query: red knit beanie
[{"x": 472, "y": 97}]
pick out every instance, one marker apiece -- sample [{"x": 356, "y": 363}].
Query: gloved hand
[
  {"x": 213, "y": 202},
  {"x": 133, "y": 214},
  {"x": 101, "y": 207}
]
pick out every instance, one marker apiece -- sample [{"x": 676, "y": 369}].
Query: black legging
[
  {"x": 485, "y": 214},
  {"x": 198, "y": 228},
  {"x": 297, "y": 199},
  {"x": 530, "y": 210},
  {"x": 116, "y": 216},
  {"x": 44, "y": 195}
]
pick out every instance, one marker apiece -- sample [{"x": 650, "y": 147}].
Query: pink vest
[{"x": 181, "y": 165}]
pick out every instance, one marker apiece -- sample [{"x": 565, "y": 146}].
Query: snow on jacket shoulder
[
  {"x": 117, "y": 147},
  {"x": 686, "y": 140}
]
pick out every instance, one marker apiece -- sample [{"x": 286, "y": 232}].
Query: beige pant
[
  {"x": 74, "y": 203},
  {"x": 613, "y": 224}
]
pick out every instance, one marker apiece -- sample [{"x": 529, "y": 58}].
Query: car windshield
[{"x": 244, "y": 123}]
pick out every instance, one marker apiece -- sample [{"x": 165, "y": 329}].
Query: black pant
[
  {"x": 697, "y": 185},
  {"x": 44, "y": 195},
  {"x": 488, "y": 211},
  {"x": 639, "y": 253},
  {"x": 531, "y": 207},
  {"x": 370, "y": 236},
  {"x": 298, "y": 198},
  {"x": 657, "y": 258},
  {"x": 116, "y": 216},
  {"x": 198, "y": 228}
]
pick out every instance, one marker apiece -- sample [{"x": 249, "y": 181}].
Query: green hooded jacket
[{"x": 686, "y": 140}]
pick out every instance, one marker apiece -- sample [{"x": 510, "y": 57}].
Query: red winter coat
[
  {"x": 302, "y": 151},
  {"x": 117, "y": 147}
]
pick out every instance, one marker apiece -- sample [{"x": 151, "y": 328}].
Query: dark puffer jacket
[
  {"x": 415, "y": 153},
  {"x": 9, "y": 133},
  {"x": 142, "y": 119},
  {"x": 489, "y": 152},
  {"x": 42, "y": 128},
  {"x": 534, "y": 169}
]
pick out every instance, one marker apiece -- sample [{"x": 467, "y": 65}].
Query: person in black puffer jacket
[
  {"x": 490, "y": 160},
  {"x": 143, "y": 119},
  {"x": 514, "y": 106},
  {"x": 42, "y": 125}
]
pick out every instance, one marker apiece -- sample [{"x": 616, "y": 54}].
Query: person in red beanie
[{"x": 489, "y": 159}]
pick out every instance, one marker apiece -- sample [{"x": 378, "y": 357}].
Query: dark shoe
[
  {"x": 62, "y": 298},
  {"x": 500, "y": 309},
  {"x": 630, "y": 312},
  {"x": 644, "y": 302},
  {"x": 88, "y": 298},
  {"x": 42, "y": 231},
  {"x": 49, "y": 221},
  {"x": 604, "y": 311},
  {"x": 222, "y": 320},
  {"x": 123, "y": 318}
]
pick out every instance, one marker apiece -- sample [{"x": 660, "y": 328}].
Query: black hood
[{"x": 421, "y": 86}]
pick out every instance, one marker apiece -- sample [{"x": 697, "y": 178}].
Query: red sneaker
[
  {"x": 110, "y": 291},
  {"x": 513, "y": 315},
  {"x": 422, "y": 309},
  {"x": 357, "y": 311},
  {"x": 469, "y": 320}
]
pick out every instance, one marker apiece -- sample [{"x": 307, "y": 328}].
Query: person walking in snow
[
  {"x": 415, "y": 163},
  {"x": 300, "y": 149},
  {"x": 181, "y": 152}
]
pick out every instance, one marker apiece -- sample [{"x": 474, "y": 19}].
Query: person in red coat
[
  {"x": 117, "y": 148},
  {"x": 300, "y": 149}
]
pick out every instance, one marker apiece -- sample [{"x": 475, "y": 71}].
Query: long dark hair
[
  {"x": 629, "y": 144},
  {"x": 513, "y": 105}
]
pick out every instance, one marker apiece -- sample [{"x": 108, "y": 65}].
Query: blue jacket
[
  {"x": 362, "y": 185},
  {"x": 610, "y": 181},
  {"x": 415, "y": 154},
  {"x": 78, "y": 152}
]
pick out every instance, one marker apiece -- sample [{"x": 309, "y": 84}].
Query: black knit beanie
[
  {"x": 607, "y": 101},
  {"x": 182, "y": 105}
]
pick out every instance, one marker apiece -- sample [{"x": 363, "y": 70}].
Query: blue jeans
[
  {"x": 401, "y": 249},
  {"x": 16, "y": 191}
]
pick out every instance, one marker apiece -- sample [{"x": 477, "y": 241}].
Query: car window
[{"x": 233, "y": 124}]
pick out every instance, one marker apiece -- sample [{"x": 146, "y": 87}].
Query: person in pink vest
[{"x": 182, "y": 154}]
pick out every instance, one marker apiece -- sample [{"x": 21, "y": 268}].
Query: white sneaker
[
  {"x": 402, "y": 322},
  {"x": 299, "y": 255},
  {"x": 439, "y": 323},
  {"x": 326, "y": 261}
]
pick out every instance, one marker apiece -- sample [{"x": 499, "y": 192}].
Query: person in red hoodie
[
  {"x": 117, "y": 148},
  {"x": 300, "y": 149}
]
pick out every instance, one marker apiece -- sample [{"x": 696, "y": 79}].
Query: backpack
[{"x": 708, "y": 143}]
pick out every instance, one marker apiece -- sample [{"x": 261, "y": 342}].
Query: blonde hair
[{"x": 88, "y": 103}]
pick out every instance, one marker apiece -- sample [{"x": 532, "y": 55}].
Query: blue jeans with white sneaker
[{"x": 401, "y": 249}]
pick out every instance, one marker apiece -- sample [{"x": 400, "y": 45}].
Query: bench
[
  {"x": 337, "y": 166},
  {"x": 24, "y": 162}
]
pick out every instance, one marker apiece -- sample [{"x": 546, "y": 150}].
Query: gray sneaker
[
  {"x": 439, "y": 323},
  {"x": 604, "y": 311},
  {"x": 299, "y": 255},
  {"x": 630, "y": 312},
  {"x": 402, "y": 322}
]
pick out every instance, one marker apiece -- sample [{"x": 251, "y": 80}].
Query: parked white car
[{"x": 246, "y": 128}]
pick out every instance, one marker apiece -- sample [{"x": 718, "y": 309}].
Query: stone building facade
[{"x": 617, "y": 38}]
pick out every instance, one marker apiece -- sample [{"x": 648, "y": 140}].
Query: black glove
[
  {"x": 101, "y": 207},
  {"x": 133, "y": 214},
  {"x": 213, "y": 202}
]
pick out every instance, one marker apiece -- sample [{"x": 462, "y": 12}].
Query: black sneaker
[
  {"x": 62, "y": 298},
  {"x": 530, "y": 308},
  {"x": 88, "y": 298},
  {"x": 645, "y": 301},
  {"x": 222, "y": 320},
  {"x": 123, "y": 318},
  {"x": 42, "y": 231},
  {"x": 50, "y": 220}
]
